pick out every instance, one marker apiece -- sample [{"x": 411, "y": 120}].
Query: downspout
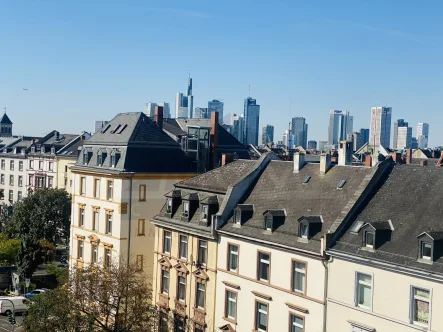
[{"x": 325, "y": 261}]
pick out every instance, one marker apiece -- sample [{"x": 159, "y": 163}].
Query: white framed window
[
  {"x": 11, "y": 180},
  {"x": 94, "y": 253},
  {"x": 2, "y": 178},
  {"x": 109, "y": 223},
  {"x": 11, "y": 195},
  {"x": 50, "y": 182},
  {"x": 167, "y": 242},
  {"x": 232, "y": 258},
  {"x": 304, "y": 230},
  {"x": 426, "y": 251},
  {"x": 369, "y": 239},
  {"x": 205, "y": 210},
  {"x": 83, "y": 186},
  {"x": 200, "y": 300},
  {"x": 186, "y": 208},
  {"x": 263, "y": 266},
  {"x": 19, "y": 195},
  {"x": 169, "y": 205},
  {"x": 165, "y": 282},
  {"x": 261, "y": 317},
  {"x": 51, "y": 166},
  {"x": 108, "y": 257},
  {"x": 3, "y": 164},
  {"x": 95, "y": 219},
  {"x": 20, "y": 181},
  {"x": 11, "y": 165},
  {"x": 20, "y": 166},
  {"x": 40, "y": 165},
  {"x": 237, "y": 216},
  {"x": 298, "y": 276},
  {"x": 97, "y": 188},
  {"x": 202, "y": 252},
  {"x": 231, "y": 305},
  {"x": 110, "y": 190},
  {"x": 80, "y": 249},
  {"x": 420, "y": 307},
  {"x": 297, "y": 323},
  {"x": 183, "y": 247},
  {"x": 268, "y": 223},
  {"x": 31, "y": 164},
  {"x": 181, "y": 294},
  {"x": 363, "y": 290},
  {"x": 81, "y": 217}
]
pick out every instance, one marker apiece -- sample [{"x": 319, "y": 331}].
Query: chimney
[
  {"x": 227, "y": 158},
  {"x": 299, "y": 161},
  {"x": 396, "y": 157},
  {"x": 423, "y": 163},
  {"x": 439, "y": 162},
  {"x": 368, "y": 161},
  {"x": 408, "y": 156},
  {"x": 345, "y": 153},
  {"x": 158, "y": 116},
  {"x": 325, "y": 163},
  {"x": 214, "y": 137},
  {"x": 57, "y": 135}
]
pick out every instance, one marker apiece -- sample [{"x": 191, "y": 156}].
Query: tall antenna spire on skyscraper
[{"x": 249, "y": 93}]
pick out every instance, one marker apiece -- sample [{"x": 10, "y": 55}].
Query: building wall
[
  {"x": 16, "y": 173},
  {"x": 191, "y": 280},
  {"x": 391, "y": 297},
  {"x": 45, "y": 171},
  {"x": 310, "y": 305},
  {"x": 64, "y": 174}
]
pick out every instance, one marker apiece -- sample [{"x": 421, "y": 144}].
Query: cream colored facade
[
  {"x": 64, "y": 174},
  {"x": 392, "y": 301},
  {"x": 197, "y": 317},
  {"x": 277, "y": 294},
  {"x": 134, "y": 200}
]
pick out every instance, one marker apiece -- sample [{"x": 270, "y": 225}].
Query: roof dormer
[
  {"x": 309, "y": 226},
  {"x": 242, "y": 213},
  {"x": 189, "y": 205},
  {"x": 375, "y": 234},
  {"x": 173, "y": 199},
  {"x": 208, "y": 207},
  {"x": 273, "y": 219},
  {"x": 430, "y": 246}
]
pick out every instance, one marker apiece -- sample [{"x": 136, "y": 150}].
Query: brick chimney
[
  {"x": 227, "y": 158},
  {"x": 214, "y": 137},
  {"x": 408, "y": 156},
  {"x": 396, "y": 157},
  {"x": 299, "y": 161},
  {"x": 368, "y": 161},
  {"x": 325, "y": 163},
  {"x": 423, "y": 163},
  {"x": 439, "y": 162},
  {"x": 345, "y": 153},
  {"x": 158, "y": 116}
]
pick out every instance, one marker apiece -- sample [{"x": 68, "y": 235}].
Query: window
[
  {"x": 185, "y": 209},
  {"x": 169, "y": 205},
  {"x": 306, "y": 179},
  {"x": 50, "y": 182},
  {"x": 81, "y": 216},
  {"x": 110, "y": 190},
  {"x": 80, "y": 249},
  {"x": 51, "y": 166},
  {"x": 141, "y": 227},
  {"x": 95, "y": 219},
  {"x": 40, "y": 181},
  {"x": 341, "y": 184},
  {"x": 205, "y": 212},
  {"x": 83, "y": 186},
  {"x": 66, "y": 168},
  {"x": 181, "y": 292},
  {"x": 108, "y": 257},
  {"x": 202, "y": 252},
  {"x": 231, "y": 305},
  {"x": 11, "y": 195},
  {"x": 420, "y": 306},
  {"x": 3, "y": 164},
  {"x": 304, "y": 230},
  {"x": 19, "y": 195},
  {"x": 31, "y": 164},
  {"x": 297, "y": 323},
  {"x": 11, "y": 165},
  {"x": 261, "y": 316},
  {"x": 167, "y": 242},
  {"x": 85, "y": 157},
  {"x": 426, "y": 251},
  {"x": 237, "y": 216},
  {"x": 40, "y": 165},
  {"x": 20, "y": 181},
  {"x": 369, "y": 240},
  {"x": 165, "y": 282},
  {"x": 109, "y": 223},
  {"x": 11, "y": 180},
  {"x": 31, "y": 179},
  {"x": 97, "y": 188},
  {"x": 142, "y": 192},
  {"x": 232, "y": 258},
  {"x": 298, "y": 277},
  {"x": 364, "y": 291},
  {"x": 268, "y": 223},
  {"x": 200, "y": 301},
  {"x": 94, "y": 254},
  {"x": 100, "y": 159},
  {"x": 20, "y": 166},
  {"x": 2, "y": 179},
  {"x": 263, "y": 266},
  {"x": 139, "y": 262},
  {"x": 183, "y": 254}
]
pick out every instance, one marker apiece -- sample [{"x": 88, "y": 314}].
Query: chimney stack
[
  {"x": 325, "y": 163},
  {"x": 423, "y": 163},
  {"x": 345, "y": 153},
  {"x": 439, "y": 162},
  {"x": 299, "y": 161},
  {"x": 368, "y": 161},
  {"x": 227, "y": 158},
  {"x": 408, "y": 156},
  {"x": 396, "y": 157},
  {"x": 158, "y": 116}
]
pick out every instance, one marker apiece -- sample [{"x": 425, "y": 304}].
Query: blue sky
[{"x": 89, "y": 60}]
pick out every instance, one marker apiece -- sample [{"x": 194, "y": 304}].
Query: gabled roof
[{"x": 5, "y": 119}]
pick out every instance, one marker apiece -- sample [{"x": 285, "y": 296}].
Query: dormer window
[
  {"x": 169, "y": 205},
  {"x": 33, "y": 149},
  {"x": 52, "y": 150},
  {"x": 369, "y": 239},
  {"x": 85, "y": 157},
  {"x": 426, "y": 251},
  {"x": 115, "y": 157},
  {"x": 186, "y": 209},
  {"x": 42, "y": 149},
  {"x": 309, "y": 227},
  {"x": 268, "y": 223},
  {"x": 205, "y": 212},
  {"x": 373, "y": 234},
  {"x": 237, "y": 217},
  {"x": 304, "y": 230}
]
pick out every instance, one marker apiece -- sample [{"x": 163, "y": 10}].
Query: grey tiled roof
[
  {"x": 279, "y": 188},
  {"x": 412, "y": 198},
  {"x": 219, "y": 179},
  {"x": 5, "y": 119}
]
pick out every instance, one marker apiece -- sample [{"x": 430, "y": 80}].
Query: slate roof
[
  {"x": 279, "y": 188},
  {"x": 219, "y": 179},
  {"x": 412, "y": 198},
  {"x": 5, "y": 119}
]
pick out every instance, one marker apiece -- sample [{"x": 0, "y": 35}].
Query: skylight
[
  {"x": 123, "y": 128},
  {"x": 306, "y": 179},
  {"x": 106, "y": 129},
  {"x": 357, "y": 226},
  {"x": 341, "y": 184},
  {"x": 115, "y": 130}
]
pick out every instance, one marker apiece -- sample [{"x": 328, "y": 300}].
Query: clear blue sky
[{"x": 88, "y": 60}]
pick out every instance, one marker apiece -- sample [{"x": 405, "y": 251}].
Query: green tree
[{"x": 9, "y": 249}]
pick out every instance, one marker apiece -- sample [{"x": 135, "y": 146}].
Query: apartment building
[
  {"x": 386, "y": 268},
  {"x": 119, "y": 180},
  {"x": 271, "y": 265}
]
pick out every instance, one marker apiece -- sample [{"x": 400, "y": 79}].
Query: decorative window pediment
[
  {"x": 93, "y": 239},
  {"x": 165, "y": 263},
  {"x": 182, "y": 271},
  {"x": 200, "y": 276}
]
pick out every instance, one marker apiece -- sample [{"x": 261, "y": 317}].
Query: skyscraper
[
  {"x": 423, "y": 135},
  {"x": 380, "y": 132},
  {"x": 268, "y": 135},
  {"x": 364, "y": 136},
  {"x": 356, "y": 139},
  {"x": 312, "y": 145},
  {"x": 216, "y": 106},
  {"x": 398, "y": 124},
  {"x": 286, "y": 138},
  {"x": 340, "y": 125},
  {"x": 237, "y": 127},
  {"x": 201, "y": 113},
  {"x": 322, "y": 145},
  {"x": 251, "y": 121},
  {"x": 100, "y": 124},
  {"x": 184, "y": 104},
  {"x": 404, "y": 138},
  {"x": 150, "y": 109},
  {"x": 300, "y": 131}
]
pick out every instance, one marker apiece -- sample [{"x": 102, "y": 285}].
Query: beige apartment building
[
  {"x": 386, "y": 269},
  {"x": 119, "y": 179}
]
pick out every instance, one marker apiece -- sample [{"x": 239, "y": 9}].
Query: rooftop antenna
[
  {"x": 4, "y": 108},
  {"x": 249, "y": 90}
]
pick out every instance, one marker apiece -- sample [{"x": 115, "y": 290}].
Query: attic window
[
  {"x": 33, "y": 149},
  {"x": 123, "y": 128},
  {"x": 185, "y": 209},
  {"x": 115, "y": 157},
  {"x": 100, "y": 159},
  {"x": 205, "y": 211},
  {"x": 268, "y": 223},
  {"x": 169, "y": 205},
  {"x": 304, "y": 230},
  {"x": 426, "y": 251},
  {"x": 369, "y": 239},
  {"x": 52, "y": 150},
  {"x": 106, "y": 128},
  {"x": 85, "y": 157},
  {"x": 306, "y": 179},
  {"x": 341, "y": 184},
  {"x": 237, "y": 216}
]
